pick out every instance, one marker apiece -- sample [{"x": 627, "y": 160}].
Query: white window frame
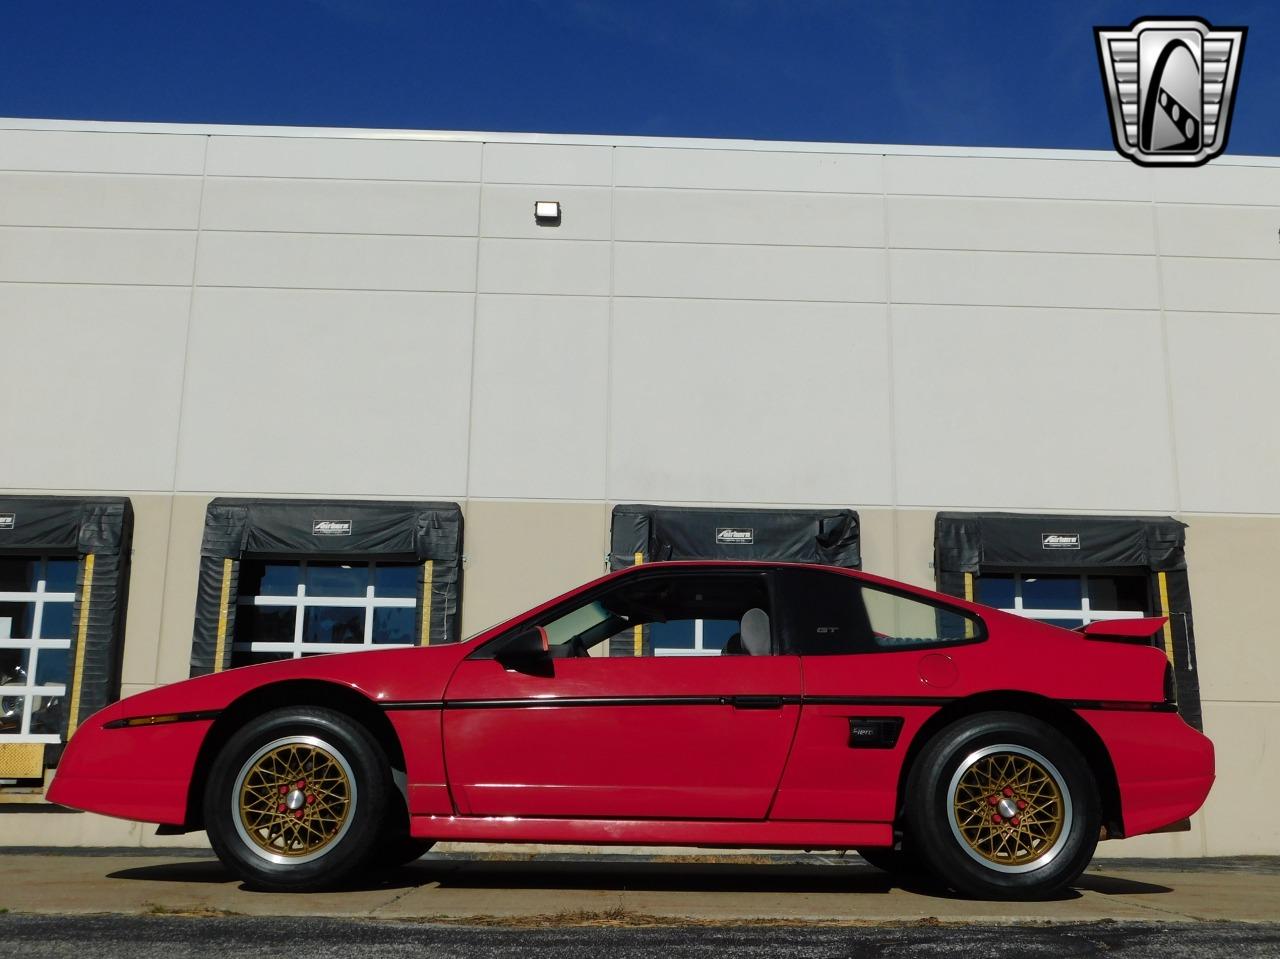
[
  {"x": 1084, "y": 613},
  {"x": 299, "y": 602},
  {"x": 41, "y": 597}
]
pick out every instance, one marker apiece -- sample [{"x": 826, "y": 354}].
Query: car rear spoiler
[{"x": 1123, "y": 629}]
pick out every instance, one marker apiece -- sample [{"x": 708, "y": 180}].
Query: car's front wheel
[
  {"x": 296, "y": 799},
  {"x": 1002, "y": 805}
]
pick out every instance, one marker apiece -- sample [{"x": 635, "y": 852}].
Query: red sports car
[{"x": 701, "y": 704}]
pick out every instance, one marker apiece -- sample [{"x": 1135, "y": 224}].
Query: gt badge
[{"x": 1170, "y": 85}]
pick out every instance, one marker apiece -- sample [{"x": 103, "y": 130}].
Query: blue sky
[{"x": 964, "y": 73}]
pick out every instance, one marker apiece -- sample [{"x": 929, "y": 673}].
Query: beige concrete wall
[{"x": 520, "y": 553}]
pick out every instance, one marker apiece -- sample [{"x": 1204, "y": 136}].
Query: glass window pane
[
  {"x": 1119, "y": 592},
  {"x": 60, "y": 575},
  {"x": 905, "y": 622},
  {"x": 51, "y": 667},
  {"x": 46, "y": 714},
  {"x": 270, "y": 624},
  {"x": 676, "y": 634},
  {"x": 1064, "y": 623},
  {"x": 1051, "y": 592},
  {"x": 17, "y": 620},
  {"x": 18, "y": 574},
  {"x": 337, "y": 579},
  {"x": 716, "y": 632},
  {"x": 397, "y": 625},
  {"x": 995, "y": 591},
  {"x": 258, "y": 578},
  {"x": 55, "y": 621},
  {"x": 333, "y": 624},
  {"x": 398, "y": 580},
  {"x": 13, "y": 666}
]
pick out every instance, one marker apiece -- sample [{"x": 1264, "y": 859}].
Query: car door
[
  {"x": 599, "y": 732},
  {"x": 876, "y": 664}
]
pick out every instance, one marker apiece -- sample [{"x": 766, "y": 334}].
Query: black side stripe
[{"x": 902, "y": 701}]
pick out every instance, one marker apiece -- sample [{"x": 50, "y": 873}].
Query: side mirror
[{"x": 527, "y": 652}]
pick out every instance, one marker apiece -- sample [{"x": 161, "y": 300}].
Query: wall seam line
[
  {"x": 475, "y": 328},
  {"x": 1166, "y": 363}
]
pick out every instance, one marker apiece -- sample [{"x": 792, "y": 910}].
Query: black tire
[
  {"x": 883, "y": 858},
  {"x": 981, "y": 853},
  {"x": 343, "y": 811},
  {"x": 396, "y": 851}
]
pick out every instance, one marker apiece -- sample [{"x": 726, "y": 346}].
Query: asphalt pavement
[
  {"x": 144, "y": 903},
  {"x": 166, "y": 937}
]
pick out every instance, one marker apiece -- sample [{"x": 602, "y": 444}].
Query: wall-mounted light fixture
[{"x": 546, "y": 212}]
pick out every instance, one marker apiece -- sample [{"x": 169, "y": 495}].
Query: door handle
[{"x": 757, "y": 702}]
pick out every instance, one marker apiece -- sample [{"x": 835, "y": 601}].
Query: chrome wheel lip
[
  {"x": 249, "y": 842},
  {"x": 1067, "y": 813}
]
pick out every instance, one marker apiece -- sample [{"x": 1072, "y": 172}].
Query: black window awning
[
  {"x": 966, "y": 542},
  {"x": 656, "y": 533},
  {"x": 425, "y": 532},
  {"x": 98, "y": 530}
]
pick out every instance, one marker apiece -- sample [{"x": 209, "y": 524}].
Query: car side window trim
[
  {"x": 490, "y": 648},
  {"x": 785, "y": 634}
]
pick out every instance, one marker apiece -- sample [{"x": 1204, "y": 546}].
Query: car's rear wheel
[
  {"x": 1002, "y": 805},
  {"x": 296, "y": 799}
]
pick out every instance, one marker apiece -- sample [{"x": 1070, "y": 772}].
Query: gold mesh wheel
[
  {"x": 294, "y": 799},
  {"x": 1009, "y": 808}
]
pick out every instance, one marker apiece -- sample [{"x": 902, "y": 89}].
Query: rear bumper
[{"x": 1164, "y": 768}]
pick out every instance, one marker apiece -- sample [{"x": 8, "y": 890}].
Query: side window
[
  {"x": 684, "y": 614},
  {"x": 905, "y": 622},
  {"x": 829, "y": 614}
]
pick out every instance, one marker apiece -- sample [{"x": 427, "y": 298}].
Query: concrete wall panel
[
  {"x": 1221, "y": 286},
  {"x": 1005, "y": 408},
  {"x": 706, "y": 271},
  {"x": 282, "y": 398},
  {"x": 94, "y": 200},
  {"x": 740, "y": 216},
  {"x": 1219, "y": 231},
  {"x": 74, "y": 151},
  {"x": 341, "y": 206},
  {"x": 748, "y": 170},
  {"x": 569, "y": 267},
  {"x": 1246, "y": 735},
  {"x": 508, "y": 212},
  {"x": 143, "y": 257},
  {"x": 1218, "y": 183},
  {"x": 712, "y": 401},
  {"x": 352, "y": 158},
  {"x": 541, "y": 381},
  {"x": 1043, "y": 226},
  {"x": 92, "y": 385},
  {"x": 1226, "y": 396},
  {"x": 1231, "y": 570},
  {"x": 1024, "y": 279},
  {"x": 1097, "y": 178},
  {"x": 547, "y": 163},
  {"x": 181, "y": 581},
  {"x": 329, "y": 261},
  {"x": 530, "y": 552},
  {"x": 147, "y": 564}
]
